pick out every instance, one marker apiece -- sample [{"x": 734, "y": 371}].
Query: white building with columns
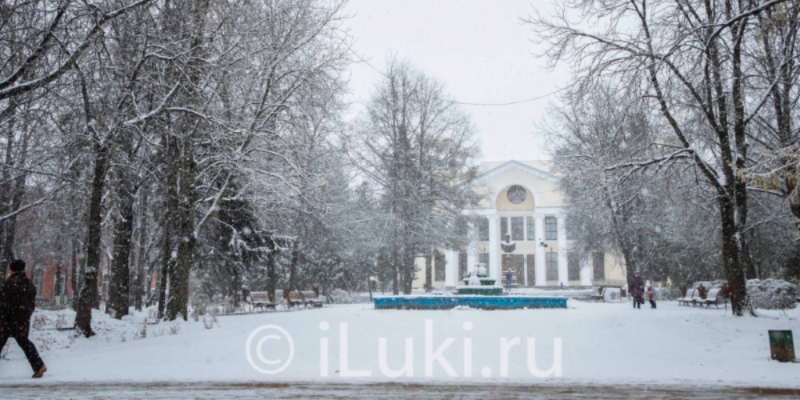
[{"x": 523, "y": 202}]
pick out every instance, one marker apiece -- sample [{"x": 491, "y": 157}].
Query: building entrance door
[{"x": 515, "y": 263}]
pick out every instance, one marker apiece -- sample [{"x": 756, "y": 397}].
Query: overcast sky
[{"x": 478, "y": 48}]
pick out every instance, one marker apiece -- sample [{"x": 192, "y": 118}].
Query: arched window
[{"x": 516, "y": 194}]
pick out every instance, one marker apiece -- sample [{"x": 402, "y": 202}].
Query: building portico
[{"x": 524, "y": 204}]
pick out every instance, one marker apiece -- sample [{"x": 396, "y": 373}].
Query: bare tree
[
  {"x": 418, "y": 147},
  {"x": 687, "y": 58}
]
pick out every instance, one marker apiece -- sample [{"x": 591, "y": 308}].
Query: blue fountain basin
[{"x": 481, "y": 302}]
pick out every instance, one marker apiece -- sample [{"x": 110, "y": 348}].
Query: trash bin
[{"x": 781, "y": 345}]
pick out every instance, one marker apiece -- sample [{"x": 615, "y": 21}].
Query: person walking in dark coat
[
  {"x": 19, "y": 301},
  {"x": 636, "y": 288}
]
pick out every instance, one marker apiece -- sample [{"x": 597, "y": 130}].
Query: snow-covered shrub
[
  {"x": 209, "y": 321},
  {"x": 174, "y": 329},
  {"x": 61, "y": 321},
  {"x": 772, "y": 293},
  {"x": 142, "y": 333},
  {"x": 39, "y": 322},
  {"x": 46, "y": 341}
]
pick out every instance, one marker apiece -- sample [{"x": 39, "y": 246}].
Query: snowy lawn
[{"x": 604, "y": 344}]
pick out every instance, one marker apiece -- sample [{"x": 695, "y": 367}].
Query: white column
[
  {"x": 540, "y": 250},
  {"x": 472, "y": 251},
  {"x": 561, "y": 228},
  {"x": 451, "y": 269},
  {"x": 586, "y": 279},
  {"x": 523, "y": 280},
  {"x": 494, "y": 248}
]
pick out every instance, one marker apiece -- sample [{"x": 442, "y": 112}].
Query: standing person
[
  {"x": 19, "y": 301},
  {"x": 636, "y": 287},
  {"x": 508, "y": 280},
  {"x": 650, "y": 295}
]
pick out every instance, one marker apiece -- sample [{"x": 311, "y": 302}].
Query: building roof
[{"x": 542, "y": 165}]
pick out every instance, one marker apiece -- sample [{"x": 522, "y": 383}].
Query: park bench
[
  {"x": 305, "y": 298},
  {"x": 690, "y": 298},
  {"x": 713, "y": 297},
  {"x": 261, "y": 300},
  {"x": 598, "y": 294}
]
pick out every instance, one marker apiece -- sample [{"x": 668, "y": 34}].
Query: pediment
[{"x": 516, "y": 166}]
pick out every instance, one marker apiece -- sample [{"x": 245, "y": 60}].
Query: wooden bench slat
[
  {"x": 261, "y": 300},
  {"x": 305, "y": 297}
]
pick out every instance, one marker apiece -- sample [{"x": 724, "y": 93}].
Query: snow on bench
[
  {"x": 692, "y": 297},
  {"x": 305, "y": 298},
  {"x": 712, "y": 298},
  {"x": 261, "y": 300},
  {"x": 598, "y": 294}
]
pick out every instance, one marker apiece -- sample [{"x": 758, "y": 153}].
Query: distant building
[{"x": 525, "y": 203}]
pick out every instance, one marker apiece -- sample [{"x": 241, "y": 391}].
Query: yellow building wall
[
  {"x": 544, "y": 191},
  {"x": 503, "y": 204},
  {"x": 419, "y": 277},
  {"x": 539, "y": 190}
]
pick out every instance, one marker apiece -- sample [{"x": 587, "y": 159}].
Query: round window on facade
[{"x": 516, "y": 194}]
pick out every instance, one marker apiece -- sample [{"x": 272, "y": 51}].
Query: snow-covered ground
[{"x": 602, "y": 345}]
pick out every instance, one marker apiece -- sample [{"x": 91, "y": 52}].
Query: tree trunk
[
  {"x": 16, "y": 189},
  {"x": 395, "y": 271},
  {"x": 732, "y": 258},
  {"x": 119, "y": 292},
  {"x": 120, "y": 266},
  {"x": 293, "y": 264},
  {"x": 408, "y": 270},
  {"x": 139, "y": 290},
  {"x": 74, "y": 276},
  {"x": 428, "y": 271},
  {"x": 163, "y": 275},
  {"x": 168, "y": 259},
  {"x": 8, "y": 226},
  {"x": 791, "y": 270},
  {"x": 83, "y": 318},
  {"x": 621, "y": 237},
  {"x": 271, "y": 276},
  {"x": 57, "y": 285},
  {"x": 178, "y": 299}
]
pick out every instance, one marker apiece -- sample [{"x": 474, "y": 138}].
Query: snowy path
[
  {"x": 603, "y": 346},
  {"x": 301, "y": 390}
]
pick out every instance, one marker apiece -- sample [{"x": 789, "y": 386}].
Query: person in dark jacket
[
  {"x": 19, "y": 301},
  {"x": 636, "y": 288}
]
